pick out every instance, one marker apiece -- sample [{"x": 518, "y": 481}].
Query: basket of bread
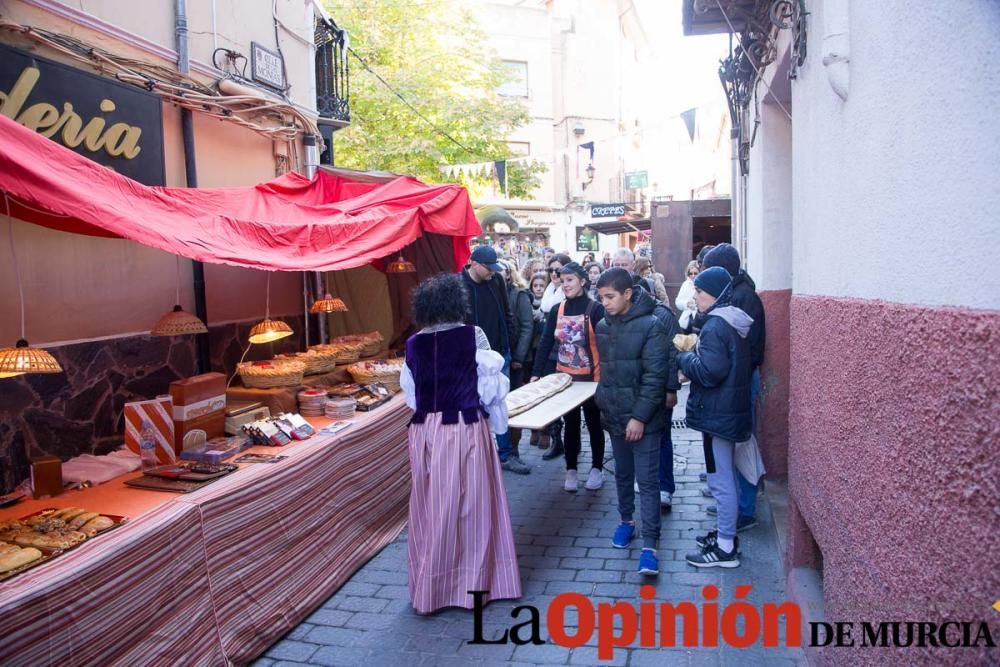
[
  {"x": 371, "y": 343},
  {"x": 385, "y": 371},
  {"x": 268, "y": 374},
  {"x": 342, "y": 353},
  {"x": 316, "y": 362}
]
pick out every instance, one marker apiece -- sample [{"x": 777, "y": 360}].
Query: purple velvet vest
[{"x": 445, "y": 375}]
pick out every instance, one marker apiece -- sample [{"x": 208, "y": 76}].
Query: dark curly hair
[{"x": 439, "y": 300}]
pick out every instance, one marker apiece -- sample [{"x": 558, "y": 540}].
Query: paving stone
[
  {"x": 366, "y": 621},
  {"x": 353, "y": 603},
  {"x": 300, "y": 631},
  {"x": 488, "y": 653},
  {"x": 435, "y": 645},
  {"x": 328, "y": 636},
  {"x": 582, "y": 563},
  {"x": 544, "y": 654},
  {"x": 605, "y": 576},
  {"x": 393, "y": 592},
  {"x": 331, "y": 617},
  {"x": 291, "y": 649},
  {"x": 608, "y": 552},
  {"x": 565, "y": 552},
  {"x": 554, "y": 574},
  {"x": 338, "y": 656}
]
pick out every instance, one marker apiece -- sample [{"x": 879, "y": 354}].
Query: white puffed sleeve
[
  {"x": 493, "y": 386},
  {"x": 409, "y": 389}
]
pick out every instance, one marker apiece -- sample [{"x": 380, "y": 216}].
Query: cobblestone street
[{"x": 563, "y": 546}]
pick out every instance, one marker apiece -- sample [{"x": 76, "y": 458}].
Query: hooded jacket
[
  {"x": 524, "y": 323},
  {"x": 745, "y": 298},
  {"x": 635, "y": 353},
  {"x": 719, "y": 369}
]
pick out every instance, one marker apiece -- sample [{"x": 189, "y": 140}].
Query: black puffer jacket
[
  {"x": 520, "y": 306},
  {"x": 634, "y": 366},
  {"x": 666, "y": 317},
  {"x": 745, "y": 298},
  {"x": 743, "y": 295},
  {"x": 719, "y": 369}
]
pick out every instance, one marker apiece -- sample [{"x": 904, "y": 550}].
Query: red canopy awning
[{"x": 290, "y": 224}]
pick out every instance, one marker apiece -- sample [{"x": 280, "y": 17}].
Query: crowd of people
[{"x": 495, "y": 327}]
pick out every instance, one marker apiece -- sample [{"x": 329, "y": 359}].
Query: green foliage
[{"x": 434, "y": 53}]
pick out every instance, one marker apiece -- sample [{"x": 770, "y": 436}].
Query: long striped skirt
[{"x": 460, "y": 536}]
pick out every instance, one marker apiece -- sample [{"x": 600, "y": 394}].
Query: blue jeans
[
  {"x": 667, "y": 457},
  {"x": 748, "y": 491},
  {"x": 504, "y": 445}
]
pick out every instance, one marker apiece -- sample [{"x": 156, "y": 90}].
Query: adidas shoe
[{"x": 713, "y": 556}]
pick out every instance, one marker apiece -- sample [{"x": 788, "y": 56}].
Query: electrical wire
[{"x": 760, "y": 76}]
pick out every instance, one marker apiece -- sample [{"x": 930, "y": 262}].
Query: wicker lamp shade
[
  {"x": 178, "y": 323},
  {"x": 23, "y": 358},
  {"x": 328, "y": 304},
  {"x": 401, "y": 266},
  {"x": 269, "y": 331}
]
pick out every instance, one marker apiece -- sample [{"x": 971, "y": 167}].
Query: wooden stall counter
[{"x": 217, "y": 575}]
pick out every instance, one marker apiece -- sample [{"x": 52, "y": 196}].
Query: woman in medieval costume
[{"x": 460, "y": 535}]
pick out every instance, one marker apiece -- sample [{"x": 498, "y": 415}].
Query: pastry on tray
[{"x": 528, "y": 396}]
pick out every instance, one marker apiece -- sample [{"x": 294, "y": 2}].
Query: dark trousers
[
  {"x": 592, "y": 414},
  {"x": 667, "y": 457}
]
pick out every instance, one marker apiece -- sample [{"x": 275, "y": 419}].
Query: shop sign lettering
[{"x": 113, "y": 124}]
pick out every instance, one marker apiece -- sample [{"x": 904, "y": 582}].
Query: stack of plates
[
  {"x": 311, "y": 402},
  {"x": 340, "y": 408}
]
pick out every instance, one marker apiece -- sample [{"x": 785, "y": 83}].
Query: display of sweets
[
  {"x": 340, "y": 408},
  {"x": 311, "y": 402}
]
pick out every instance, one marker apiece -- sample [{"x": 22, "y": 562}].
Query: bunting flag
[
  {"x": 689, "y": 118},
  {"x": 500, "y": 169}
]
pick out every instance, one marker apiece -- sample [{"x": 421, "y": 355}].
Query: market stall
[{"x": 218, "y": 574}]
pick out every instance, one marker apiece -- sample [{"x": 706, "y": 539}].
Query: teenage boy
[
  {"x": 719, "y": 405},
  {"x": 634, "y": 352}
]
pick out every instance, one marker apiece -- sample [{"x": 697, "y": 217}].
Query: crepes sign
[{"x": 111, "y": 123}]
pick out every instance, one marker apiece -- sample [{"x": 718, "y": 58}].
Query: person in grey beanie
[
  {"x": 744, "y": 297},
  {"x": 719, "y": 405}
]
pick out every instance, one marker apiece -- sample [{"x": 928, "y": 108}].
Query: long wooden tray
[{"x": 554, "y": 407}]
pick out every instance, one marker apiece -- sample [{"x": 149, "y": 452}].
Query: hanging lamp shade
[
  {"x": 178, "y": 323},
  {"x": 269, "y": 331},
  {"x": 22, "y": 358},
  {"x": 401, "y": 266},
  {"x": 328, "y": 304}
]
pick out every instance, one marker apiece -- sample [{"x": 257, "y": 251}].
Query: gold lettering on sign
[{"x": 118, "y": 140}]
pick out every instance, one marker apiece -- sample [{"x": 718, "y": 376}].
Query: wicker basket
[
  {"x": 387, "y": 372},
  {"x": 315, "y": 362},
  {"x": 341, "y": 353},
  {"x": 268, "y": 374},
  {"x": 371, "y": 343}
]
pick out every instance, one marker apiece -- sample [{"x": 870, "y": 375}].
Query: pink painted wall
[
  {"x": 894, "y": 419},
  {"x": 772, "y": 405}
]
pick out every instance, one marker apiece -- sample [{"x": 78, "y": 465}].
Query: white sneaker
[
  {"x": 570, "y": 484},
  {"x": 595, "y": 479},
  {"x": 665, "y": 499}
]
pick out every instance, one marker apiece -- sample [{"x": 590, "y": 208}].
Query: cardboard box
[
  {"x": 199, "y": 388},
  {"x": 159, "y": 413}
]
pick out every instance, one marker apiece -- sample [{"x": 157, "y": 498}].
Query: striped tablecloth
[{"x": 216, "y": 576}]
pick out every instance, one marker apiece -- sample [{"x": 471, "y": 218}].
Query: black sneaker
[
  {"x": 713, "y": 556},
  {"x": 711, "y": 539},
  {"x": 745, "y": 523}
]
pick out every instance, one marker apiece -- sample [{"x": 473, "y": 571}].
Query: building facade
[
  {"x": 600, "y": 120},
  {"x": 251, "y": 82},
  {"x": 866, "y": 212}
]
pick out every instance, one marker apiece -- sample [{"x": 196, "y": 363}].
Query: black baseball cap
[{"x": 486, "y": 256}]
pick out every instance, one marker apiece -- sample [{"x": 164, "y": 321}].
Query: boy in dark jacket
[
  {"x": 634, "y": 352},
  {"x": 719, "y": 405},
  {"x": 744, "y": 297}
]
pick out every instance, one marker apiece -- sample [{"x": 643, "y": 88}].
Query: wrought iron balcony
[{"x": 333, "y": 89}]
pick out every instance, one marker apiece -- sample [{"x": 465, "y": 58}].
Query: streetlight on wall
[{"x": 590, "y": 175}]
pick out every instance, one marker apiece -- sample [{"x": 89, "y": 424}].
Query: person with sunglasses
[{"x": 685, "y": 295}]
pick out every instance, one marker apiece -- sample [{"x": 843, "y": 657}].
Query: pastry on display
[
  {"x": 267, "y": 374},
  {"x": 13, "y": 556},
  {"x": 524, "y": 398},
  {"x": 55, "y": 528}
]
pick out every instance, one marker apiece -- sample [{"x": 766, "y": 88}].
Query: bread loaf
[
  {"x": 96, "y": 525},
  {"x": 81, "y": 519},
  {"x": 16, "y": 559}
]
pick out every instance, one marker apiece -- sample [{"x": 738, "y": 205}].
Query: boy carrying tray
[{"x": 634, "y": 352}]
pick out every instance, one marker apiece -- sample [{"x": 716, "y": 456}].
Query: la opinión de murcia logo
[{"x": 739, "y": 624}]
